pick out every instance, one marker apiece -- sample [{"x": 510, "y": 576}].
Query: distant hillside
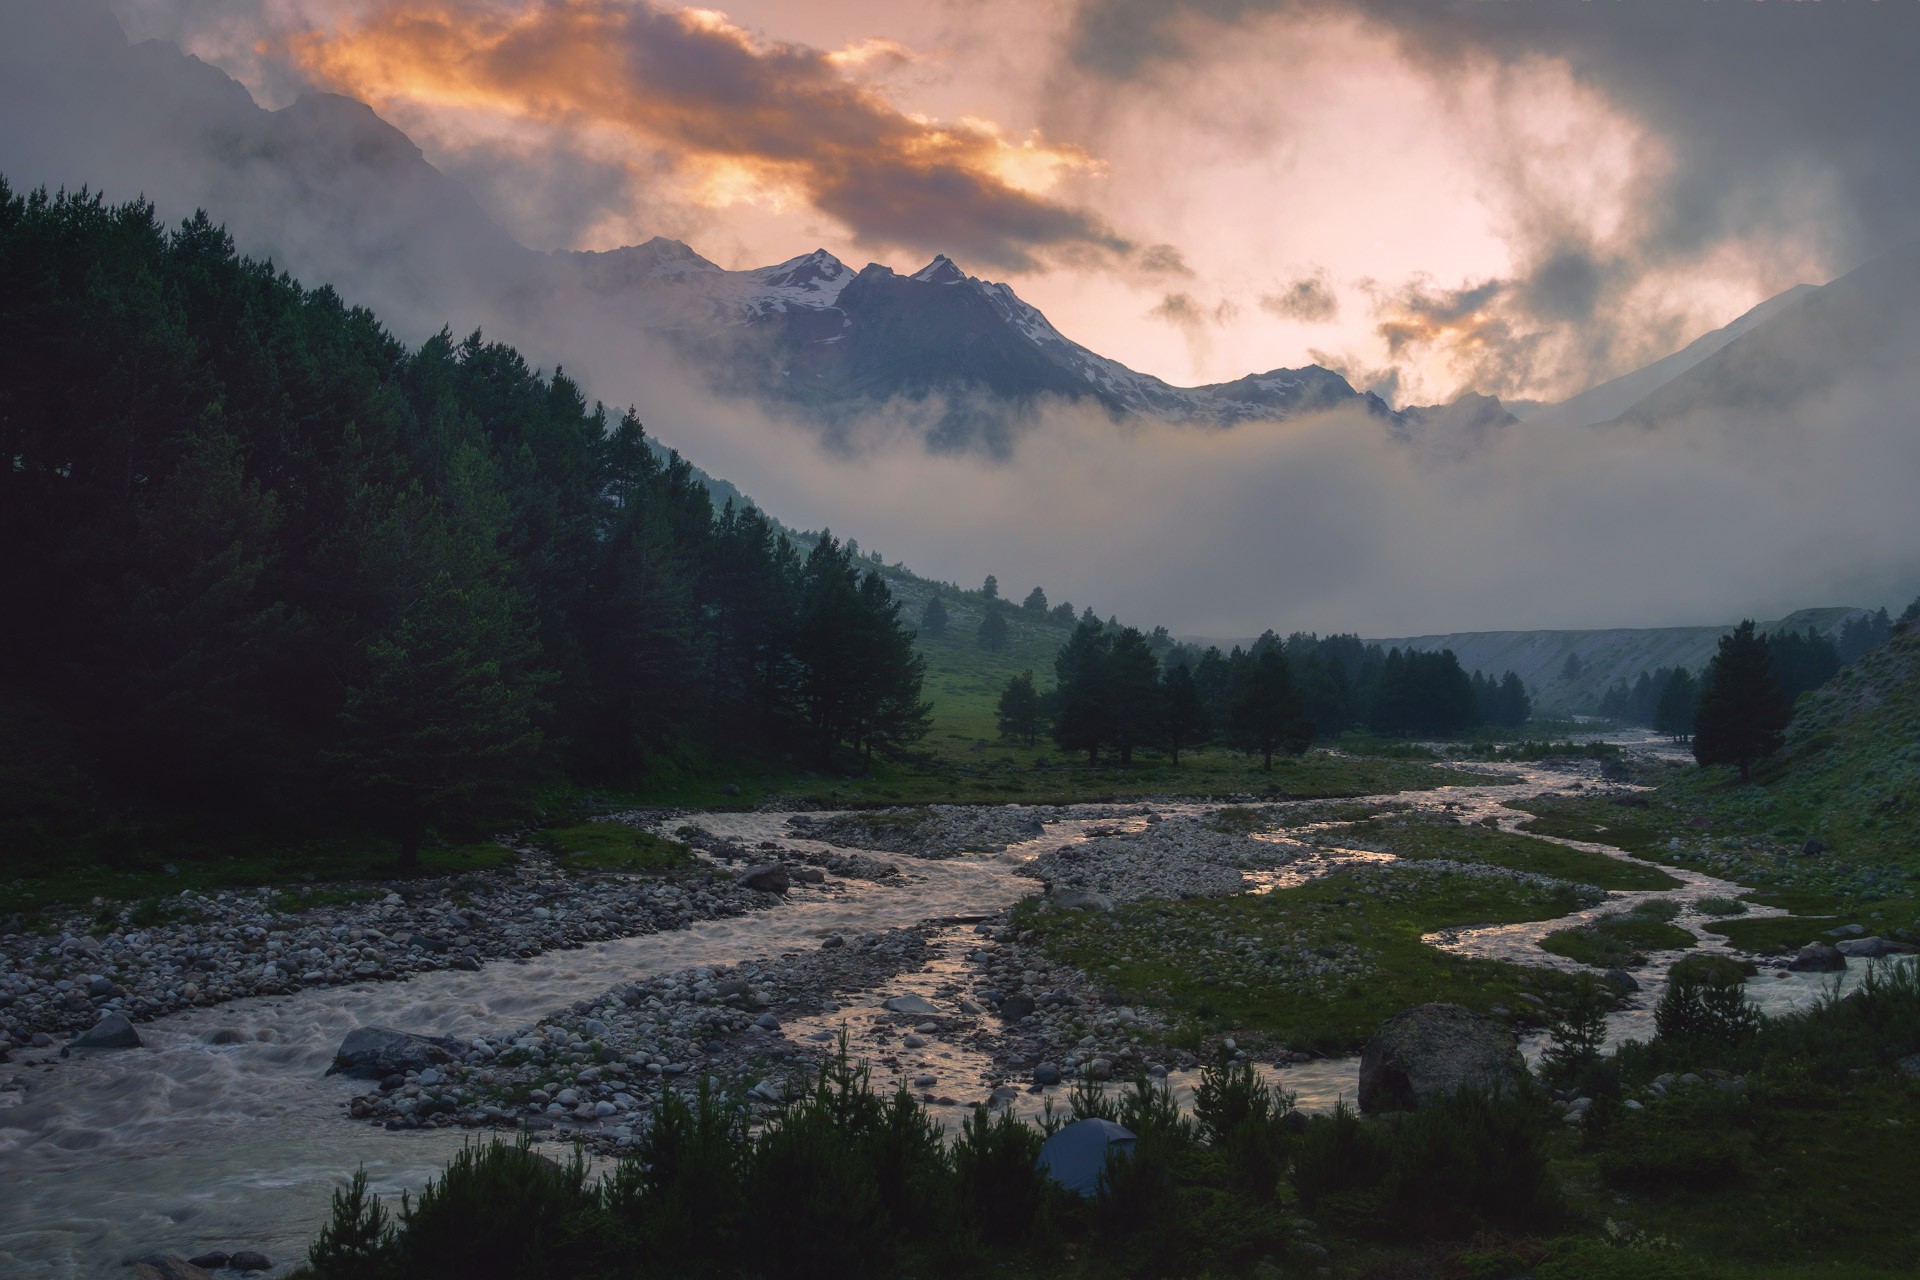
[{"x": 1605, "y": 656}]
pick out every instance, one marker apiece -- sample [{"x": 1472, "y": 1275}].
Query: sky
[
  {"x": 1516, "y": 197},
  {"x": 1432, "y": 196}
]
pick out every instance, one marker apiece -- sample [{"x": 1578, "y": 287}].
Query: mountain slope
[
  {"x": 330, "y": 191},
  {"x": 1606, "y": 656},
  {"x": 1610, "y": 399},
  {"x": 1859, "y": 329}
]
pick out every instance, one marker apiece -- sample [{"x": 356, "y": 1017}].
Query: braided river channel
[{"x": 186, "y": 1144}]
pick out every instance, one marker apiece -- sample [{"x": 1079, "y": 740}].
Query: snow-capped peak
[
  {"x": 940, "y": 271},
  {"x": 812, "y": 280}
]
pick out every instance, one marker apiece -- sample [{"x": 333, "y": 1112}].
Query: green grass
[
  {"x": 1775, "y": 933},
  {"x": 1366, "y": 925},
  {"x": 140, "y": 882},
  {"x": 1423, "y": 837},
  {"x": 1820, "y": 1187},
  {"x": 1721, "y": 907},
  {"x": 613, "y": 846},
  {"x": 1616, "y": 941}
]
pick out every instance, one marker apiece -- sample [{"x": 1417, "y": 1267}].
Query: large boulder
[
  {"x": 1818, "y": 957},
  {"x": 1435, "y": 1050},
  {"x": 111, "y": 1032},
  {"x": 1874, "y": 947},
  {"x": 371, "y": 1053},
  {"x": 771, "y": 878}
]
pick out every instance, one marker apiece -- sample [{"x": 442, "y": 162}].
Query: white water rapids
[{"x": 185, "y": 1145}]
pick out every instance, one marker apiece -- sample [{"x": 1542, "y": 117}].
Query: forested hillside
[{"x": 266, "y": 564}]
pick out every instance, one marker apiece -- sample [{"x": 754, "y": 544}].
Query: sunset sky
[{"x": 1432, "y": 197}]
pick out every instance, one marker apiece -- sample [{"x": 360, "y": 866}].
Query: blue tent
[{"x": 1075, "y": 1156}]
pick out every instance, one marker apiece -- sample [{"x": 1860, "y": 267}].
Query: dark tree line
[
  {"x": 1118, "y": 689},
  {"x": 260, "y": 556},
  {"x": 1346, "y": 683}
]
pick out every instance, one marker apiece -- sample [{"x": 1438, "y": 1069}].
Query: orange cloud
[{"x": 744, "y": 120}]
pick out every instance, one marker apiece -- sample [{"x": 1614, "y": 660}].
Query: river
[{"x": 186, "y": 1144}]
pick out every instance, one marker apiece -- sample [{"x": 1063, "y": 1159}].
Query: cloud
[
  {"x": 1195, "y": 320},
  {"x": 1653, "y": 166},
  {"x": 1310, "y": 298},
  {"x": 743, "y": 120}
]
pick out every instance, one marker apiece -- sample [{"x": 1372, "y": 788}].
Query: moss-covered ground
[{"x": 1317, "y": 967}]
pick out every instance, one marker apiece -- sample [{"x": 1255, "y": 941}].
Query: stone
[
  {"x": 768, "y": 878},
  {"x": 111, "y": 1032},
  {"x": 1435, "y": 1050},
  {"x": 1847, "y": 931},
  {"x": 1014, "y": 1008},
  {"x": 730, "y": 789},
  {"x": 1620, "y": 980},
  {"x": 370, "y": 1053},
  {"x": 210, "y": 1261},
  {"x": 913, "y": 1042},
  {"x": 248, "y": 1260},
  {"x": 167, "y": 1266},
  {"x": 767, "y": 1022},
  {"x": 1812, "y": 848},
  {"x": 1874, "y": 947},
  {"x": 1046, "y": 1073},
  {"x": 1818, "y": 957},
  {"x": 917, "y": 1006},
  {"x": 1080, "y": 900},
  {"x": 1910, "y": 1066}
]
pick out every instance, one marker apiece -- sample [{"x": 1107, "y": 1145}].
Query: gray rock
[
  {"x": 370, "y": 1053},
  {"x": 1620, "y": 980},
  {"x": 210, "y": 1261},
  {"x": 167, "y": 1266},
  {"x": 1818, "y": 957},
  {"x": 918, "y": 1006},
  {"x": 248, "y": 1260},
  {"x": 769, "y": 878},
  {"x": 1081, "y": 900},
  {"x": 1874, "y": 947},
  {"x": 1435, "y": 1050},
  {"x": 1047, "y": 1073},
  {"x": 111, "y": 1032},
  {"x": 1014, "y": 1008},
  {"x": 1812, "y": 848},
  {"x": 1910, "y": 1066},
  {"x": 1847, "y": 931},
  {"x": 767, "y": 1022}
]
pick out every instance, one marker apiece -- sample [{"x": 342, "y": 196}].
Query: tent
[{"x": 1075, "y": 1156}]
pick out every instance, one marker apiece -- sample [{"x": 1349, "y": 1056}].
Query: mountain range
[{"x": 332, "y": 192}]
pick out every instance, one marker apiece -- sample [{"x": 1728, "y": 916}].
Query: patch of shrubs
[{"x": 1453, "y": 1167}]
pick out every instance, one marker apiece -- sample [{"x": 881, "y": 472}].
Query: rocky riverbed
[{"x": 228, "y": 945}]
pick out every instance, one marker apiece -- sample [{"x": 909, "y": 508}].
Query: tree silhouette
[
  {"x": 1020, "y": 709},
  {"x": 933, "y": 620},
  {"x": 1742, "y": 712},
  {"x": 1036, "y": 601},
  {"x": 1266, "y": 716},
  {"x": 1673, "y": 715},
  {"x": 992, "y": 633},
  {"x": 1183, "y": 717}
]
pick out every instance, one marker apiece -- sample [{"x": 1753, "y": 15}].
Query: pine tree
[
  {"x": 1674, "y": 714},
  {"x": 1183, "y": 721},
  {"x": 1133, "y": 693},
  {"x": 990, "y": 588},
  {"x": 1080, "y": 691},
  {"x": 933, "y": 620},
  {"x": 1036, "y": 601},
  {"x": 1266, "y": 716},
  {"x": 437, "y": 726},
  {"x": 992, "y": 632},
  {"x": 1020, "y": 710},
  {"x": 1741, "y": 714}
]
